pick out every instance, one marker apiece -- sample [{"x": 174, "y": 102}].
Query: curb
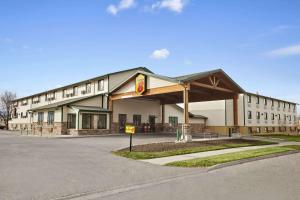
[{"x": 239, "y": 162}]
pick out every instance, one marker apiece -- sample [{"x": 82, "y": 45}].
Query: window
[
  {"x": 71, "y": 121},
  {"x": 35, "y": 100},
  {"x": 64, "y": 93},
  {"x": 50, "y": 117},
  {"x": 272, "y": 102},
  {"x": 88, "y": 88},
  {"x": 249, "y": 98},
  {"x": 75, "y": 91},
  {"x": 249, "y": 115},
  {"x": 137, "y": 120},
  {"x": 284, "y": 105},
  {"x": 279, "y": 104},
  {"x": 40, "y": 117},
  {"x": 249, "y": 129},
  {"x": 290, "y": 118},
  {"x": 100, "y": 85},
  {"x": 265, "y": 101},
  {"x": 87, "y": 121},
  {"x": 257, "y": 100},
  {"x": 257, "y": 115},
  {"x": 101, "y": 124},
  {"x": 173, "y": 121},
  {"x": 266, "y": 129},
  {"x": 284, "y": 117},
  {"x": 273, "y": 116},
  {"x": 266, "y": 116},
  {"x": 289, "y": 106},
  {"x": 279, "y": 116},
  {"x": 50, "y": 96},
  {"x": 258, "y": 129}
]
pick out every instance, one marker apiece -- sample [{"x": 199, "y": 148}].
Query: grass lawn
[
  {"x": 229, "y": 157},
  {"x": 294, "y": 138},
  {"x": 186, "y": 150}
]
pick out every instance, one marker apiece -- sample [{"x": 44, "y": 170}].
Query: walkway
[{"x": 165, "y": 160}]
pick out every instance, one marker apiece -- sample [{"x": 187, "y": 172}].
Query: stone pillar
[{"x": 186, "y": 133}]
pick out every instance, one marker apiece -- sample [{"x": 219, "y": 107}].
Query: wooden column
[
  {"x": 162, "y": 115},
  {"x": 235, "y": 110},
  {"x": 186, "y": 105}
]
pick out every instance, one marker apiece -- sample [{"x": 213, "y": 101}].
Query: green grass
[
  {"x": 151, "y": 155},
  {"x": 229, "y": 157},
  {"x": 294, "y": 138}
]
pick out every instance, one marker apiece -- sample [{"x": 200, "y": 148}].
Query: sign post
[{"x": 130, "y": 130}]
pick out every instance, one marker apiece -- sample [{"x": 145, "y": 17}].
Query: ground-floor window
[
  {"x": 137, "y": 120},
  {"x": 50, "y": 119},
  {"x": 173, "y": 121},
  {"x": 273, "y": 128},
  {"x": 87, "y": 121},
  {"x": 258, "y": 129},
  {"x": 40, "y": 117},
  {"x": 266, "y": 129},
  {"x": 101, "y": 124},
  {"x": 249, "y": 129},
  {"x": 71, "y": 121}
]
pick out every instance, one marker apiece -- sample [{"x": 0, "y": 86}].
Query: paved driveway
[{"x": 42, "y": 168}]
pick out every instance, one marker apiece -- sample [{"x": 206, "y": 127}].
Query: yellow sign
[
  {"x": 130, "y": 129},
  {"x": 140, "y": 84}
]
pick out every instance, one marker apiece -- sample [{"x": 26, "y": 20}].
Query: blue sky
[{"x": 49, "y": 43}]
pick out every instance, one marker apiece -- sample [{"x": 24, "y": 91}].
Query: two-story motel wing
[{"x": 208, "y": 101}]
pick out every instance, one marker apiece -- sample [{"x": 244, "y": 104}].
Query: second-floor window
[
  {"x": 24, "y": 102},
  {"x": 75, "y": 90},
  {"x": 35, "y": 100},
  {"x": 257, "y": 100},
  {"x": 100, "y": 85},
  {"x": 257, "y": 115},
  {"x": 272, "y": 102},
  {"x": 266, "y": 116},
  {"x": 88, "y": 88},
  {"x": 273, "y": 116},
  {"x": 50, "y": 96},
  {"x": 279, "y": 116},
  {"x": 249, "y": 115}
]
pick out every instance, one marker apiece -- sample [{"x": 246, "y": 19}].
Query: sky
[{"x": 51, "y": 43}]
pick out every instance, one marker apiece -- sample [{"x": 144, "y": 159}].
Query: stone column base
[{"x": 186, "y": 133}]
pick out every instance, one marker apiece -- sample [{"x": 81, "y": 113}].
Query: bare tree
[{"x": 6, "y": 101}]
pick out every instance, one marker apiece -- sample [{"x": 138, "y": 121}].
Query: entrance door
[
  {"x": 122, "y": 122},
  {"x": 152, "y": 123}
]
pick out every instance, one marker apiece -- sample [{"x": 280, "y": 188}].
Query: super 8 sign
[
  {"x": 140, "y": 84},
  {"x": 130, "y": 129}
]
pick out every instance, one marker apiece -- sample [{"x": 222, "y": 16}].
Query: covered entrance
[{"x": 207, "y": 86}]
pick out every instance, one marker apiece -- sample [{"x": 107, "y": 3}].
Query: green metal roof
[
  {"x": 87, "y": 80},
  {"x": 62, "y": 103}
]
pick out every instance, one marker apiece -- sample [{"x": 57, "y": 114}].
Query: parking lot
[{"x": 84, "y": 168}]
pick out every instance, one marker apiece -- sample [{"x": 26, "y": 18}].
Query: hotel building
[{"x": 197, "y": 103}]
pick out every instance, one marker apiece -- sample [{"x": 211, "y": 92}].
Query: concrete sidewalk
[{"x": 165, "y": 160}]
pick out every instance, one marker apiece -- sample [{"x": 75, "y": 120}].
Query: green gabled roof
[
  {"x": 62, "y": 103},
  {"x": 87, "y": 80}
]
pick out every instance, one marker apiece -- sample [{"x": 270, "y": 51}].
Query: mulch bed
[{"x": 169, "y": 146}]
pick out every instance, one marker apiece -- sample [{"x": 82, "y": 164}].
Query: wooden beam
[
  {"x": 235, "y": 110},
  {"x": 211, "y": 87},
  {"x": 149, "y": 92}
]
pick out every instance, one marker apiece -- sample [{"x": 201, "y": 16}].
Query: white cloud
[
  {"x": 123, "y": 5},
  {"x": 292, "y": 50},
  {"x": 160, "y": 54},
  {"x": 173, "y": 5}
]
